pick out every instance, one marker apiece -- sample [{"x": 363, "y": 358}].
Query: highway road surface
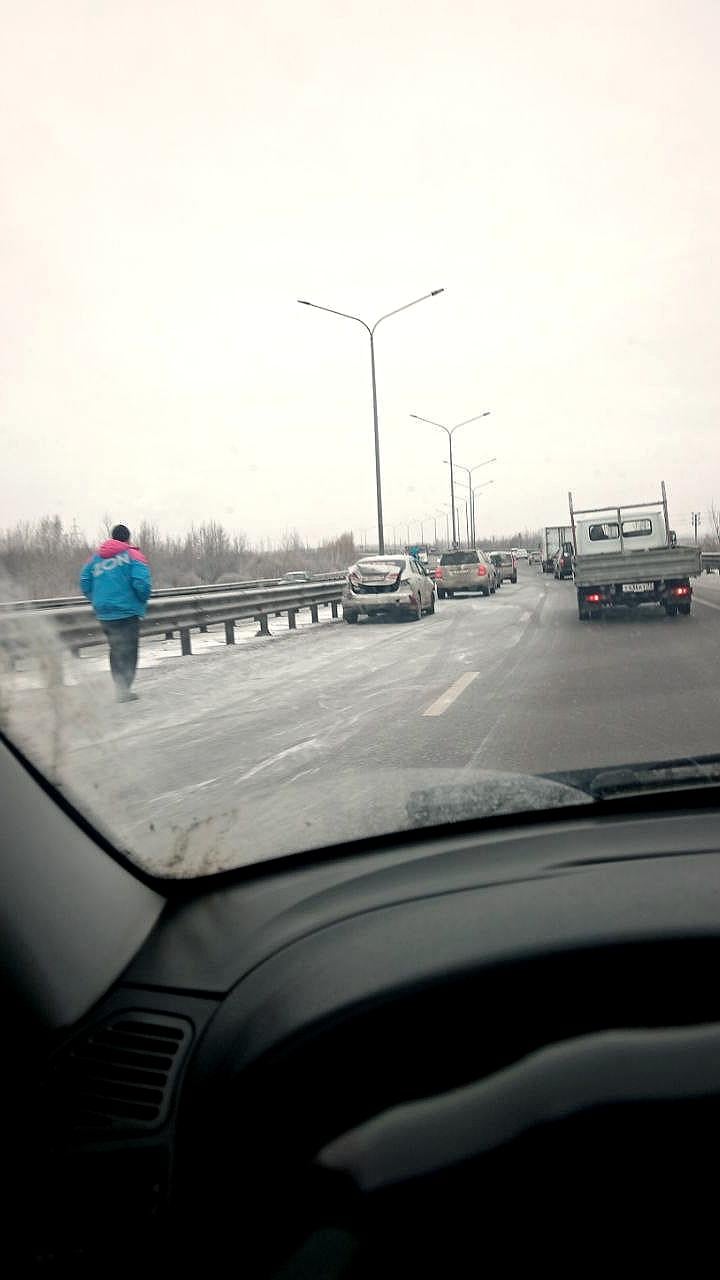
[{"x": 337, "y": 732}]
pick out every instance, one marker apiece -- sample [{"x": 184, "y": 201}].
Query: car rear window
[
  {"x": 380, "y": 566},
  {"x": 460, "y": 557}
]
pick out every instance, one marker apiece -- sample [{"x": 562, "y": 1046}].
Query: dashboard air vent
[{"x": 119, "y": 1074}]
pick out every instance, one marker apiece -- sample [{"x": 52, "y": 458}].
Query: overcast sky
[{"x": 176, "y": 174}]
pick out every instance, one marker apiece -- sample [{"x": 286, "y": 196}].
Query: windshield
[
  {"x": 289, "y": 288},
  {"x": 460, "y": 557}
]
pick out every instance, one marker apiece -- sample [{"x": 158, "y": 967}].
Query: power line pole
[{"x": 695, "y": 522}]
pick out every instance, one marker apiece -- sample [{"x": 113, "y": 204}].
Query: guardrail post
[
  {"x": 314, "y": 613},
  {"x": 262, "y": 618},
  {"x": 169, "y": 635},
  {"x": 292, "y": 619},
  {"x": 334, "y": 608},
  {"x": 185, "y": 643},
  {"x": 230, "y": 632}
]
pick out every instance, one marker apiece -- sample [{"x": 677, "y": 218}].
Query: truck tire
[
  {"x": 684, "y": 609},
  {"x": 671, "y": 610},
  {"x": 583, "y": 614}
]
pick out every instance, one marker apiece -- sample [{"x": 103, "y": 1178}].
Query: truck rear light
[
  {"x": 594, "y": 598},
  {"x": 481, "y": 571},
  {"x": 438, "y": 572},
  {"x": 679, "y": 591}
]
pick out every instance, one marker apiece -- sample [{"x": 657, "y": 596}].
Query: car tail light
[
  {"x": 594, "y": 598},
  {"x": 481, "y": 571},
  {"x": 438, "y": 572},
  {"x": 680, "y": 591}
]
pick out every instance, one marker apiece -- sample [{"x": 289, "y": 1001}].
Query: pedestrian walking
[{"x": 116, "y": 581}]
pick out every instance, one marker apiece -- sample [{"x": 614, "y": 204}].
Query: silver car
[
  {"x": 465, "y": 571},
  {"x": 395, "y": 586}
]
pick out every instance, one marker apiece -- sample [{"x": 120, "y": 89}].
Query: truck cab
[{"x": 606, "y": 532}]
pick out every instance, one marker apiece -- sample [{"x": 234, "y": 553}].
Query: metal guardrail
[
  {"x": 60, "y": 602},
  {"x": 710, "y": 560},
  {"x": 77, "y": 627}
]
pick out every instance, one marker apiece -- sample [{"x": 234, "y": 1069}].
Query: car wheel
[
  {"x": 449, "y": 594},
  {"x": 431, "y": 608},
  {"x": 349, "y": 616},
  {"x": 441, "y": 595},
  {"x": 684, "y": 609},
  {"x": 671, "y": 610},
  {"x": 514, "y": 578},
  {"x": 416, "y": 611}
]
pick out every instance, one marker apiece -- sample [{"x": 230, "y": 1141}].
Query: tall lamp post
[
  {"x": 477, "y": 489},
  {"x": 371, "y": 331},
  {"x": 469, "y": 471},
  {"x": 450, "y": 431}
]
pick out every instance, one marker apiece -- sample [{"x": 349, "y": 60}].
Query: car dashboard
[{"x": 350, "y": 1065}]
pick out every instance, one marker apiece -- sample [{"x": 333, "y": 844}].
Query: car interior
[{"x": 470, "y": 1044}]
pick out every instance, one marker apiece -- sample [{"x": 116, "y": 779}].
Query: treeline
[{"x": 42, "y": 559}]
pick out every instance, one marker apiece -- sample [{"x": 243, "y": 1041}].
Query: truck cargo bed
[{"x": 639, "y": 566}]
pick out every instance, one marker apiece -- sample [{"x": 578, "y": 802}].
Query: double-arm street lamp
[
  {"x": 450, "y": 431},
  {"x": 469, "y": 471},
  {"x": 371, "y": 331},
  {"x": 472, "y": 504}
]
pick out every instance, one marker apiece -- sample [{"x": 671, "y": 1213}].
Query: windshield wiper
[{"x": 685, "y": 773}]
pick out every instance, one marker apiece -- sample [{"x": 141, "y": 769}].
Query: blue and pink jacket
[{"x": 116, "y": 581}]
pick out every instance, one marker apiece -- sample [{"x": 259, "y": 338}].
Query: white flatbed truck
[{"x": 627, "y": 556}]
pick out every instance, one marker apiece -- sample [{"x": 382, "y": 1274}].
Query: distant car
[
  {"x": 465, "y": 571},
  {"x": 395, "y": 586},
  {"x": 296, "y": 575},
  {"x": 535, "y": 557},
  {"x": 520, "y": 553},
  {"x": 506, "y": 563},
  {"x": 495, "y": 570}
]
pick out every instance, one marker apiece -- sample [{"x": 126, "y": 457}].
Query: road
[{"x": 336, "y": 732}]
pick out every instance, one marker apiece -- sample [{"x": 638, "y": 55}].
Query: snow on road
[{"x": 323, "y": 735}]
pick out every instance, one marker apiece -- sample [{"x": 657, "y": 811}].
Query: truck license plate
[{"x": 638, "y": 586}]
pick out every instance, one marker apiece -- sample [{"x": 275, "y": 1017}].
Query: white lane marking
[
  {"x": 447, "y": 698},
  {"x": 709, "y": 603}
]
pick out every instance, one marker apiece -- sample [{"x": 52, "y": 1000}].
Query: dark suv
[{"x": 562, "y": 563}]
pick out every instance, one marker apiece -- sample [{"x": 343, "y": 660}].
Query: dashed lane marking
[{"x": 447, "y": 698}]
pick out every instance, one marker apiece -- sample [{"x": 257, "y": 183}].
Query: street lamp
[
  {"x": 371, "y": 331},
  {"x": 469, "y": 470},
  {"x": 464, "y": 502},
  {"x": 450, "y": 431},
  {"x": 474, "y": 491}
]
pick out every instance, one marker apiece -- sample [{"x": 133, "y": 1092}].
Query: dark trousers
[{"x": 122, "y": 636}]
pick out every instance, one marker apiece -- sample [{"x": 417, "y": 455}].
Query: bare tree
[{"x": 714, "y": 514}]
